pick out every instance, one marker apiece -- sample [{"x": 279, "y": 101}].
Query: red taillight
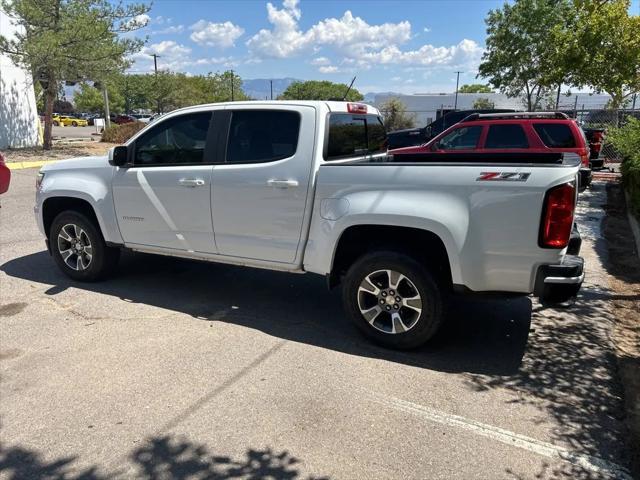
[
  {"x": 584, "y": 158},
  {"x": 356, "y": 108},
  {"x": 557, "y": 216}
]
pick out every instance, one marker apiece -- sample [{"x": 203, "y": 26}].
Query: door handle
[
  {"x": 191, "y": 182},
  {"x": 282, "y": 183}
]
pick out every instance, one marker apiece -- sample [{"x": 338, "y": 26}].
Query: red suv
[{"x": 505, "y": 134}]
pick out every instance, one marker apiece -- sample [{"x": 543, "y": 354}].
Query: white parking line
[{"x": 588, "y": 462}]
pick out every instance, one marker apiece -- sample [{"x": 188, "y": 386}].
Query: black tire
[
  {"x": 103, "y": 260},
  {"x": 74, "y": 124},
  {"x": 432, "y": 305},
  {"x": 55, "y": 123}
]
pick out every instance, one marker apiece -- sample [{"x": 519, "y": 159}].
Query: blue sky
[{"x": 402, "y": 46}]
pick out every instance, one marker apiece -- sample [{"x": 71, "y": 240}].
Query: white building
[
  {"x": 426, "y": 106},
  {"x": 19, "y": 123}
]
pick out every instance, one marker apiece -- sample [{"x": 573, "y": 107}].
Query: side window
[
  {"x": 463, "y": 138},
  {"x": 179, "y": 140},
  {"x": 355, "y": 135},
  {"x": 262, "y": 135},
  {"x": 555, "y": 135},
  {"x": 506, "y": 136}
]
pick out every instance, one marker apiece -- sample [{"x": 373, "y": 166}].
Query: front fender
[{"x": 82, "y": 185}]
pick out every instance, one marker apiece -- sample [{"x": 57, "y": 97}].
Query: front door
[
  {"x": 163, "y": 199},
  {"x": 259, "y": 194}
]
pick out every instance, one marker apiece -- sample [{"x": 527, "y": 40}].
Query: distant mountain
[{"x": 260, "y": 88}]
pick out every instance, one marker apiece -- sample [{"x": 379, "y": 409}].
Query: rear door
[{"x": 259, "y": 194}]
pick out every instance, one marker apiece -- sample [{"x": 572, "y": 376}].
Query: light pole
[
  {"x": 455, "y": 105},
  {"x": 155, "y": 67}
]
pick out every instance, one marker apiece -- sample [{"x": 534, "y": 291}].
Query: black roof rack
[{"x": 514, "y": 116}]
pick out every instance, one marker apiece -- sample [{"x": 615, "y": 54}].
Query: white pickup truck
[{"x": 308, "y": 187}]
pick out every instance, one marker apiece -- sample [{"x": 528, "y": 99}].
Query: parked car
[
  {"x": 307, "y": 186},
  {"x": 506, "y": 136},
  {"x": 5, "y": 175},
  {"x": 120, "y": 119},
  {"x": 67, "y": 121},
  {"x": 418, "y": 136},
  {"x": 142, "y": 117},
  {"x": 595, "y": 139}
]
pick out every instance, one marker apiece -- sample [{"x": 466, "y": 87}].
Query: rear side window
[
  {"x": 555, "y": 135},
  {"x": 355, "y": 135},
  {"x": 257, "y": 136},
  {"x": 506, "y": 136}
]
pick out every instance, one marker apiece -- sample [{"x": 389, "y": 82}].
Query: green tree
[
  {"x": 90, "y": 99},
  {"x": 70, "y": 40},
  {"x": 396, "y": 116},
  {"x": 483, "y": 104},
  {"x": 601, "y": 48},
  {"x": 319, "y": 90},
  {"x": 475, "y": 88},
  {"x": 520, "y": 59}
]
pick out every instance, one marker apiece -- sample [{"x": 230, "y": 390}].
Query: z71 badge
[{"x": 503, "y": 176}]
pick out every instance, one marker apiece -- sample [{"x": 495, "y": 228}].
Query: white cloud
[
  {"x": 328, "y": 69},
  {"x": 320, "y": 61},
  {"x": 171, "y": 29},
  {"x": 219, "y": 35},
  {"x": 426, "y": 29},
  {"x": 356, "y": 42},
  {"x": 138, "y": 21},
  {"x": 171, "y": 56}
]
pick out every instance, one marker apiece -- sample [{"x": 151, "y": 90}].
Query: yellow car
[{"x": 69, "y": 121}]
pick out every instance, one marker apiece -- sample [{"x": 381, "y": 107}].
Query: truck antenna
[{"x": 348, "y": 89}]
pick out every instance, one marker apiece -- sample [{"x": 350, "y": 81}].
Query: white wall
[{"x": 18, "y": 113}]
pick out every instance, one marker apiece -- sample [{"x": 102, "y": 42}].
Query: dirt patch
[
  {"x": 623, "y": 264},
  {"x": 60, "y": 151}
]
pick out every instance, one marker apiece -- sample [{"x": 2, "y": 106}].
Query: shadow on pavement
[
  {"x": 158, "y": 458},
  {"x": 487, "y": 336}
]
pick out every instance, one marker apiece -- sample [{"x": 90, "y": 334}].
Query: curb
[
  {"x": 635, "y": 227},
  {"x": 22, "y": 165}
]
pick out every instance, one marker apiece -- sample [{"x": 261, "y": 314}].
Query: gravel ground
[{"x": 60, "y": 151}]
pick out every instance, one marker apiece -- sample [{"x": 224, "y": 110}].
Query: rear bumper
[
  {"x": 559, "y": 283},
  {"x": 584, "y": 179}
]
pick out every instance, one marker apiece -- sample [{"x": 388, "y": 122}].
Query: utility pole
[
  {"x": 155, "y": 67},
  {"x": 107, "y": 113},
  {"x": 558, "y": 96},
  {"x": 633, "y": 107},
  {"x": 271, "y": 84},
  {"x": 455, "y": 105},
  {"x": 232, "y": 96}
]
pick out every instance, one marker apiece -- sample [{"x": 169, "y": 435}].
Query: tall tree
[
  {"x": 601, "y": 48},
  {"x": 319, "y": 90},
  {"x": 483, "y": 104},
  {"x": 475, "y": 88},
  {"x": 71, "y": 40},
  {"x": 396, "y": 116},
  {"x": 520, "y": 59}
]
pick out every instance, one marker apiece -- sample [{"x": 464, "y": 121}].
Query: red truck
[{"x": 505, "y": 136}]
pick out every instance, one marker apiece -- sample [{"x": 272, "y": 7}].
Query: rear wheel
[
  {"x": 74, "y": 124},
  {"x": 55, "y": 123},
  {"x": 393, "y": 300},
  {"x": 78, "y": 248}
]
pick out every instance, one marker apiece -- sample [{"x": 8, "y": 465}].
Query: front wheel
[
  {"x": 74, "y": 124},
  {"x": 393, "y": 300},
  {"x": 78, "y": 248}
]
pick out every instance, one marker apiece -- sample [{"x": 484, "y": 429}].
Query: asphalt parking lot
[
  {"x": 177, "y": 369},
  {"x": 74, "y": 132}
]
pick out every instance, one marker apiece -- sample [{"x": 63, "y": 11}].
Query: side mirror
[{"x": 118, "y": 156}]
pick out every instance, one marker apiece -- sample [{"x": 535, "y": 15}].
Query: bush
[
  {"x": 121, "y": 133},
  {"x": 626, "y": 140}
]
